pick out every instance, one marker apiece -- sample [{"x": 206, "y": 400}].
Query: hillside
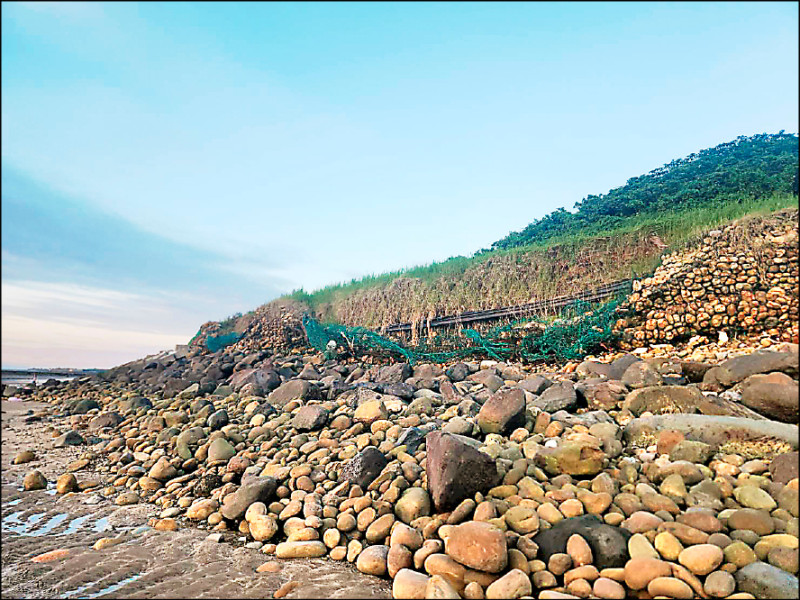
[{"x": 609, "y": 237}]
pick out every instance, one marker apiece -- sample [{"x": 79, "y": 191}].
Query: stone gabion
[{"x": 742, "y": 278}]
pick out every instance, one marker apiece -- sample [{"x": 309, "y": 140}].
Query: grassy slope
[
  {"x": 606, "y": 238},
  {"x": 558, "y": 266}
]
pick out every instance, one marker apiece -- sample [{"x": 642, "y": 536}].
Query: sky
[{"x": 167, "y": 164}]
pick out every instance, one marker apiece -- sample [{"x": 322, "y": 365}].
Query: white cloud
[{"x": 35, "y": 294}]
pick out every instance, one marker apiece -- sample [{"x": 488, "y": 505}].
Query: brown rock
[
  {"x": 409, "y": 584},
  {"x": 579, "y": 550},
  {"x": 457, "y": 469},
  {"x": 639, "y": 572},
  {"x": 513, "y": 584},
  {"x": 372, "y": 560},
  {"x": 67, "y": 483},
  {"x": 702, "y": 558},
  {"x": 34, "y": 480},
  {"x": 479, "y": 546},
  {"x": 669, "y": 587},
  {"x": 503, "y": 412}
]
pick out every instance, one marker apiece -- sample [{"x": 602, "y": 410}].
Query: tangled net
[{"x": 580, "y": 329}]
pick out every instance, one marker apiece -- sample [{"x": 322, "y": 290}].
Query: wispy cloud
[
  {"x": 36, "y": 295},
  {"x": 68, "y": 266}
]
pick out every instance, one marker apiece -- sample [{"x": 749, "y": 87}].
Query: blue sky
[{"x": 165, "y": 164}]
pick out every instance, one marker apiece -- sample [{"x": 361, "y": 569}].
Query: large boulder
[
  {"x": 253, "y": 489},
  {"x": 70, "y": 438},
  {"x": 109, "y": 419},
  {"x": 578, "y": 458},
  {"x": 766, "y": 581},
  {"x": 774, "y": 395},
  {"x": 663, "y": 399},
  {"x": 294, "y": 389},
  {"x": 137, "y": 403},
  {"x": 456, "y": 469},
  {"x": 503, "y": 412},
  {"x": 264, "y": 380},
  {"x": 760, "y": 437},
  {"x": 609, "y": 544},
  {"x": 535, "y": 384},
  {"x": 559, "y": 396},
  {"x": 163, "y": 470},
  {"x": 396, "y": 373},
  {"x": 785, "y": 467},
  {"x": 641, "y": 374},
  {"x": 414, "y": 503},
  {"x": 602, "y": 394},
  {"x": 478, "y": 545},
  {"x": 310, "y": 417},
  {"x": 739, "y": 368},
  {"x": 220, "y": 449},
  {"x": 364, "y": 467},
  {"x": 620, "y": 365},
  {"x": 81, "y": 407}
]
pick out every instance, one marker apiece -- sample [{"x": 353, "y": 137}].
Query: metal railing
[{"x": 522, "y": 310}]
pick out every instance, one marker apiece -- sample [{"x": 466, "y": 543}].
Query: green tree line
[{"x": 743, "y": 169}]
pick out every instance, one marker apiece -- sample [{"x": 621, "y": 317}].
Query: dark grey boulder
[
  {"x": 364, "y": 467},
  {"x": 411, "y": 438},
  {"x": 559, "y": 396},
  {"x": 207, "y": 484},
  {"x": 458, "y": 372},
  {"x": 740, "y": 368},
  {"x": 609, "y": 544},
  {"x": 262, "y": 380},
  {"x": 396, "y": 373},
  {"x": 766, "y": 581},
  {"x": 619, "y": 366},
  {"x": 81, "y": 407},
  {"x": 694, "y": 371},
  {"x": 253, "y": 489},
  {"x": 71, "y": 438},
  {"x": 218, "y": 419},
  {"x": 136, "y": 404},
  {"x": 294, "y": 389},
  {"x": 401, "y": 390},
  {"x": 109, "y": 419},
  {"x": 535, "y": 385}
]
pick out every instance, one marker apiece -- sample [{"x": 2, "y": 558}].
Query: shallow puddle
[
  {"x": 75, "y": 524},
  {"x": 13, "y": 523},
  {"x": 102, "y": 592},
  {"x": 102, "y": 524},
  {"x": 51, "y": 524}
]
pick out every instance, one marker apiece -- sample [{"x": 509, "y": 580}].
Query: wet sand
[{"x": 147, "y": 563}]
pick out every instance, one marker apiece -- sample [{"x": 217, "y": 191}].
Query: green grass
[{"x": 675, "y": 228}]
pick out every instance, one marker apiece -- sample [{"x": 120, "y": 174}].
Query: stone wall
[{"x": 740, "y": 279}]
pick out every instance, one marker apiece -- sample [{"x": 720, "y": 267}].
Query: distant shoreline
[
  {"x": 22, "y": 377},
  {"x": 41, "y": 372}
]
